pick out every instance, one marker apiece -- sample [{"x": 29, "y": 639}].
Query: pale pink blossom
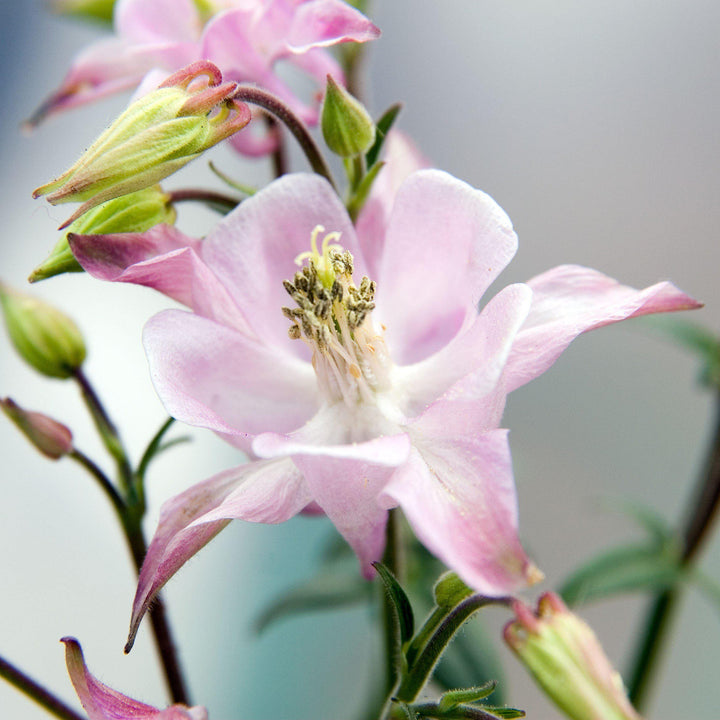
[
  {"x": 349, "y": 403},
  {"x": 246, "y": 39},
  {"x": 103, "y": 703}
]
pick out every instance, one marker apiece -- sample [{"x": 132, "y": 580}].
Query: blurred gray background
[{"x": 595, "y": 125}]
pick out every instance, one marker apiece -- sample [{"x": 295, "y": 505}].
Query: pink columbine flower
[
  {"x": 359, "y": 376},
  {"x": 103, "y": 703},
  {"x": 246, "y": 39}
]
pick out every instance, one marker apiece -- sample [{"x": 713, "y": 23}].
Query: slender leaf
[
  {"x": 400, "y": 602},
  {"x": 453, "y": 698},
  {"x": 383, "y": 125},
  {"x": 328, "y": 590},
  {"x": 627, "y": 569}
]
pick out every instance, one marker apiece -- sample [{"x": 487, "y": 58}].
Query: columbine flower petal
[
  {"x": 459, "y": 497},
  {"x": 437, "y": 262},
  {"x": 213, "y": 376},
  {"x": 569, "y": 300},
  {"x": 103, "y": 703},
  {"x": 265, "y": 491}
]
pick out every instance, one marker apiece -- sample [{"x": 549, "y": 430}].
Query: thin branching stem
[
  {"x": 702, "y": 512},
  {"x": 41, "y": 695},
  {"x": 273, "y": 105}
]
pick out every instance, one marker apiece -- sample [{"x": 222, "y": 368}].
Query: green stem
[
  {"x": 431, "y": 653},
  {"x": 267, "y": 101},
  {"x": 108, "y": 433},
  {"x": 37, "y": 692},
  {"x": 210, "y": 197},
  {"x": 699, "y": 520},
  {"x": 103, "y": 481}
]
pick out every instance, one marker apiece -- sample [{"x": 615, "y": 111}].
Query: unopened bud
[
  {"x": 567, "y": 661},
  {"x": 158, "y": 134},
  {"x": 50, "y": 437},
  {"x": 45, "y": 338},
  {"x": 347, "y": 127},
  {"x": 133, "y": 213}
]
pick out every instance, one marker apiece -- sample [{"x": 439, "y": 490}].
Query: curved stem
[
  {"x": 107, "y": 487},
  {"x": 279, "y": 156},
  {"x": 37, "y": 692},
  {"x": 697, "y": 525},
  {"x": 267, "y": 101},
  {"x": 433, "y": 650},
  {"x": 207, "y": 196}
]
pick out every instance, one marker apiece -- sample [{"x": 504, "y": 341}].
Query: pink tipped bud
[
  {"x": 567, "y": 661},
  {"x": 50, "y": 437}
]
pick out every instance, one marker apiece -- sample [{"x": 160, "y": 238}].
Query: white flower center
[{"x": 333, "y": 316}]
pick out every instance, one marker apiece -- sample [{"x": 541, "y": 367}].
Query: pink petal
[
  {"x": 253, "y": 249},
  {"x": 401, "y": 159},
  {"x": 459, "y": 497},
  {"x": 569, "y": 300},
  {"x": 266, "y": 492},
  {"x": 103, "y": 703},
  {"x": 477, "y": 355},
  {"x": 152, "y": 21},
  {"x": 446, "y": 242},
  {"x": 212, "y": 376},
  {"x": 162, "y": 258},
  {"x": 345, "y": 481},
  {"x": 321, "y": 23}
]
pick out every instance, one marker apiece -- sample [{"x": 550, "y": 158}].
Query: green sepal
[
  {"x": 400, "y": 601},
  {"x": 453, "y": 698},
  {"x": 382, "y": 127}
]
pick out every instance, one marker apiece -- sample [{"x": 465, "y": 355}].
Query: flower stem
[
  {"x": 37, "y": 692},
  {"x": 267, "y": 101},
  {"x": 279, "y": 155},
  {"x": 209, "y": 197},
  {"x": 108, "y": 432},
  {"x": 158, "y": 619},
  {"x": 697, "y": 525}
]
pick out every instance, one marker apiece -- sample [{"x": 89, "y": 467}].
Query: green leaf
[
  {"x": 627, "y": 569},
  {"x": 504, "y": 712},
  {"x": 383, "y": 125},
  {"x": 450, "y": 590},
  {"x": 400, "y": 602},
  {"x": 646, "y": 517},
  {"x": 453, "y": 698},
  {"x": 327, "y": 590}
]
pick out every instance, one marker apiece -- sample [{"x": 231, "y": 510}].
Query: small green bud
[
  {"x": 347, "y": 127},
  {"x": 158, "y": 134},
  {"x": 90, "y": 9},
  {"x": 133, "y": 213},
  {"x": 50, "y": 437},
  {"x": 45, "y": 338},
  {"x": 565, "y": 658}
]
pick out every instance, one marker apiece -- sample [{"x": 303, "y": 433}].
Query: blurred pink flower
[
  {"x": 380, "y": 395},
  {"x": 103, "y": 703},
  {"x": 246, "y": 39}
]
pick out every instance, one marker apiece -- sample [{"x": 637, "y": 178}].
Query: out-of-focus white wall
[{"x": 595, "y": 126}]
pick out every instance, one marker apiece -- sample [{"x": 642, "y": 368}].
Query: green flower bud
[
  {"x": 91, "y": 9},
  {"x": 50, "y": 437},
  {"x": 158, "y": 134},
  {"x": 44, "y": 337},
  {"x": 567, "y": 661},
  {"x": 347, "y": 127},
  {"x": 133, "y": 213}
]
